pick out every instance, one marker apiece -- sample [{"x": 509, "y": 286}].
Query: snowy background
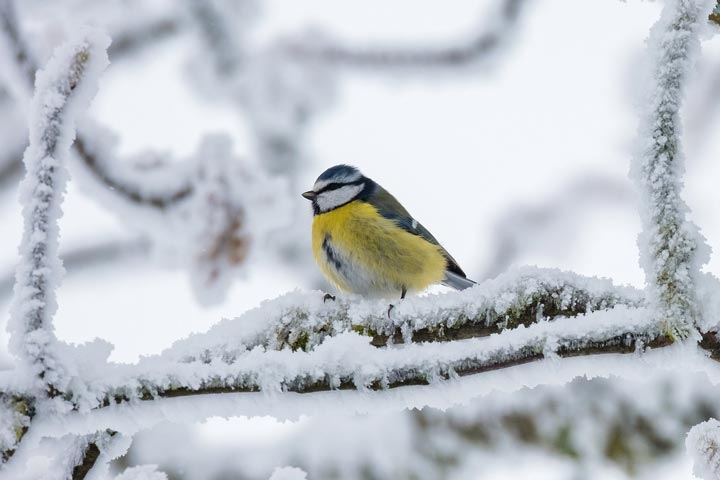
[{"x": 519, "y": 159}]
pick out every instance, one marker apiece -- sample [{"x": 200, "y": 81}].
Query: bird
[{"x": 366, "y": 242}]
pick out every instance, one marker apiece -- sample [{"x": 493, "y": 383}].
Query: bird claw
[{"x": 328, "y": 297}]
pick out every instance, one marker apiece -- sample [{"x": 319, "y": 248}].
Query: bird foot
[
  {"x": 328, "y": 297},
  {"x": 390, "y": 309}
]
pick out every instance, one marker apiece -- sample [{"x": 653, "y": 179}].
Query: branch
[
  {"x": 63, "y": 89},
  {"x": 671, "y": 248},
  {"x": 140, "y": 36},
  {"x": 232, "y": 358},
  {"x": 15, "y": 416},
  {"x": 101, "y": 169},
  {"x": 703, "y": 445},
  {"x": 303, "y": 321},
  {"x": 21, "y": 62},
  {"x": 520, "y": 227},
  {"x": 715, "y": 15},
  {"x": 88, "y": 256},
  {"x": 91, "y": 453},
  {"x": 484, "y": 45}
]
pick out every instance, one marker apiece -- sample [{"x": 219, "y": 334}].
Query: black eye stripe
[{"x": 335, "y": 186}]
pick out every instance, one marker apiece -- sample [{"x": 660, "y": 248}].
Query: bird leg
[
  {"x": 402, "y": 297},
  {"x": 328, "y": 297}
]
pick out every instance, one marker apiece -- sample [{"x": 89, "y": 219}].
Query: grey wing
[{"x": 391, "y": 209}]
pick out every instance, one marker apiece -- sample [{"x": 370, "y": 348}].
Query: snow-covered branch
[
  {"x": 15, "y": 416},
  {"x": 715, "y": 15},
  {"x": 703, "y": 445},
  {"x": 302, "y": 321},
  {"x": 63, "y": 89},
  {"x": 672, "y": 249},
  {"x": 21, "y": 67},
  {"x": 349, "y": 361},
  {"x": 301, "y": 343}
]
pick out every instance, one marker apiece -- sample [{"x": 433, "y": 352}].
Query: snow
[
  {"x": 255, "y": 349},
  {"x": 63, "y": 89},
  {"x": 702, "y": 445},
  {"x": 501, "y": 301},
  {"x": 671, "y": 248},
  {"x": 144, "y": 472},
  {"x": 12, "y": 419},
  {"x": 288, "y": 473}
]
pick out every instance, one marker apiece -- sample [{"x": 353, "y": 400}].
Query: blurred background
[{"x": 505, "y": 126}]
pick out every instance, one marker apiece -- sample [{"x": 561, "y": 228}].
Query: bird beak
[{"x": 310, "y": 195}]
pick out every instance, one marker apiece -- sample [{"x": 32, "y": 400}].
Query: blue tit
[{"x": 365, "y": 241}]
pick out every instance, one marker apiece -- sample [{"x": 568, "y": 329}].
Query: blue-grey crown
[{"x": 340, "y": 174}]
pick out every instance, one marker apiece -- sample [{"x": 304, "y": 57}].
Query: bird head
[{"x": 337, "y": 186}]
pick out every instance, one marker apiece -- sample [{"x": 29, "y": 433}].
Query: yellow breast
[{"x": 361, "y": 251}]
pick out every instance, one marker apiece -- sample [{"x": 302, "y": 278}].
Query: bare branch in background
[
  {"x": 520, "y": 226},
  {"x": 11, "y": 38},
  {"x": 11, "y": 169},
  {"x": 100, "y": 169},
  {"x": 130, "y": 41},
  {"x": 485, "y": 44},
  {"x": 90, "y": 256}
]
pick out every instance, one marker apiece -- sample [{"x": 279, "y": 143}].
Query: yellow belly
[{"x": 366, "y": 253}]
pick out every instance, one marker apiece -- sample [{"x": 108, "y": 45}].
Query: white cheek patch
[
  {"x": 334, "y": 198},
  {"x": 320, "y": 184}
]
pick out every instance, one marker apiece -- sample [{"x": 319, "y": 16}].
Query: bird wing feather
[{"x": 390, "y": 208}]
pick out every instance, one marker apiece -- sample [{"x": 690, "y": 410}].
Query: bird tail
[{"x": 457, "y": 282}]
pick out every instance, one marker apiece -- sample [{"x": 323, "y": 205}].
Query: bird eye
[{"x": 332, "y": 186}]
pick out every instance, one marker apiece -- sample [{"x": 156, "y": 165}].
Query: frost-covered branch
[
  {"x": 63, "y": 89},
  {"x": 15, "y": 416},
  {"x": 294, "y": 343},
  {"x": 715, "y": 15},
  {"x": 671, "y": 247},
  {"x": 302, "y": 321},
  {"x": 109, "y": 172},
  {"x": 631, "y": 424},
  {"x": 91, "y": 453},
  {"x": 349, "y": 361},
  {"x": 703, "y": 445}
]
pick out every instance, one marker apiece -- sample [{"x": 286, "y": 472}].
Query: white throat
[{"x": 334, "y": 198}]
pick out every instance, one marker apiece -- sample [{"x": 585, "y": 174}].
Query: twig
[
  {"x": 480, "y": 47},
  {"x": 88, "y": 256},
  {"x": 27, "y": 65},
  {"x": 130, "y": 41}
]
